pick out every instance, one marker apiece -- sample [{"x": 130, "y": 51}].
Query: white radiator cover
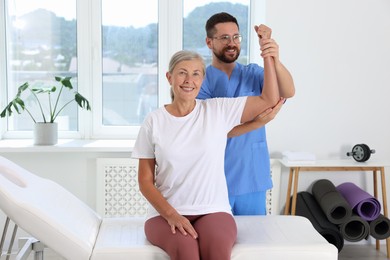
[{"x": 118, "y": 193}]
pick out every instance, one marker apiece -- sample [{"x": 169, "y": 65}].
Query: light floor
[{"x": 363, "y": 252}]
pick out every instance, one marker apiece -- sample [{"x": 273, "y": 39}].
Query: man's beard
[{"x": 227, "y": 59}]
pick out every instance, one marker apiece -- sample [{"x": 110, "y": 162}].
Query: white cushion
[
  {"x": 280, "y": 237},
  {"x": 259, "y": 237},
  {"x": 123, "y": 239}
]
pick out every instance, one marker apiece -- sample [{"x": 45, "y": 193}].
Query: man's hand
[
  {"x": 257, "y": 122},
  {"x": 269, "y": 114},
  {"x": 269, "y": 48}
]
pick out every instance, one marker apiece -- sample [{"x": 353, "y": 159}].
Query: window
[
  {"x": 117, "y": 56},
  {"x": 129, "y": 58},
  {"x": 41, "y": 44}
]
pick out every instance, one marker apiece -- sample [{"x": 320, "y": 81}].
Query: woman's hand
[
  {"x": 177, "y": 221},
  {"x": 153, "y": 195},
  {"x": 268, "y": 46},
  {"x": 263, "y": 31}
]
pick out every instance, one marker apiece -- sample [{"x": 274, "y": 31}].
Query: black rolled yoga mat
[
  {"x": 333, "y": 204},
  {"x": 308, "y": 207},
  {"x": 380, "y": 227},
  {"x": 355, "y": 229}
]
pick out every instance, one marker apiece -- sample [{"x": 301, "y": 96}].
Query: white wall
[{"x": 339, "y": 55}]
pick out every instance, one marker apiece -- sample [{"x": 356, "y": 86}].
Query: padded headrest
[
  {"x": 12, "y": 176},
  {"x": 48, "y": 212}
]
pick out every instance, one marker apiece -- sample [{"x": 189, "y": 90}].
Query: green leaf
[
  {"x": 82, "y": 101},
  {"x": 20, "y": 102},
  {"x": 39, "y": 90},
  {"x": 17, "y": 104},
  {"x": 66, "y": 82},
  {"x": 22, "y": 88},
  {"x": 4, "y": 112}
]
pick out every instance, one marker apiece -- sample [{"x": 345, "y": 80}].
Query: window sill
[{"x": 67, "y": 145}]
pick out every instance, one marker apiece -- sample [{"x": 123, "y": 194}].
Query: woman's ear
[{"x": 168, "y": 76}]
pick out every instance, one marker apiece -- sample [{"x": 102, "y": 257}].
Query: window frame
[
  {"x": 3, "y": 69},
  {"x": 89, "y": 56}
]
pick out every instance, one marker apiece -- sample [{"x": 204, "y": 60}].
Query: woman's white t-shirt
[{"x": 189, "y": 153}]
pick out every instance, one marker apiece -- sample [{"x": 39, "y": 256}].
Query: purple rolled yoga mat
[{"x": 362, "y": 203}]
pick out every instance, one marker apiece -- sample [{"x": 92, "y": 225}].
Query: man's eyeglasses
[{"x": 226, "y": 39}]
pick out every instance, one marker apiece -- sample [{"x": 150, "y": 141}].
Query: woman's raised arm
[{"x": 270, "y": 96}]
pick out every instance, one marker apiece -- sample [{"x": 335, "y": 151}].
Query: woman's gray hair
[{"x": 185, "y": 56}]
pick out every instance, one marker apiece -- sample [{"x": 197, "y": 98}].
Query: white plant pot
[{"x": 45, "y": 133}]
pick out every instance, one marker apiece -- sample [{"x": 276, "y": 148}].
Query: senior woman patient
[{"x": 181, "y": 149}]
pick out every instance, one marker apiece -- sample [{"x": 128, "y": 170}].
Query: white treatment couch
[{"x": 74, "y": 231}]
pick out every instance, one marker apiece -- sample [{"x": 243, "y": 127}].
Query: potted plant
[{"x": 17, "y": 104}]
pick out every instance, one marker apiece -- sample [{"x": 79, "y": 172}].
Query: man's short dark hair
[{"x": 216, "y": 19}]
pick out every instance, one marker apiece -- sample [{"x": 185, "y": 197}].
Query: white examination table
[{"x": 74, "y": 231}]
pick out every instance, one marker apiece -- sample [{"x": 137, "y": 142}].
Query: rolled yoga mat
[
  {"x": 333, "y": 204},
  {"x": 380, "y": 227},
  {"x": 308, "y": 207},
  {"x": 362, "y": 203},
  {"x": 355, "y": 229}
]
